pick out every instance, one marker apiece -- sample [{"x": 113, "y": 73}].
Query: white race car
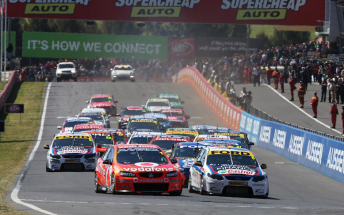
[
  {"x": 228, "y": 171},
  {"x": 71, "y": 151}
]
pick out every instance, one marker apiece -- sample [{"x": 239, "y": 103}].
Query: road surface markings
[{"x": 14, "y": 194}]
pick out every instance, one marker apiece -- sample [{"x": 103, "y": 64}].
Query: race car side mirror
[
  {"x": 182, "y": 102},
  {"x": 46, "y": 147},
  {"x": 107, "y": 162},
  {"x": 174, "y": 161},
  {"x": 198, "y": 163},
  {"x": 251, "y": 143},
  {"x": 59, "y": 127},
  {"x": 87, "y": 102},
  {"x": 263, "y": 166}
]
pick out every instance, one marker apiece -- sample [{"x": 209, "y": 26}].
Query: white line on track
[
  {"x": 266, "y": 207},
  {"x": 14, "y": 194},
  {"x": 291, "y": 208},
  {"x": 164, "y": 204},
  {"x": 297, "y": 107},
  {"x": 244, "y": 206}
]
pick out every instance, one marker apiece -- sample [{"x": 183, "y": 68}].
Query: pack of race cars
[{"x": 153, "y": 150}]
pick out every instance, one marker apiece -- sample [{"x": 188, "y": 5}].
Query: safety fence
[
  {"x": 306, "y": 147},
  {"x": 6, "y": 92}
]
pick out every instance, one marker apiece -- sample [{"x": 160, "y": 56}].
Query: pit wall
[
  {"x": 6, "y": 91},
  {"x": 316, "y": 152}
]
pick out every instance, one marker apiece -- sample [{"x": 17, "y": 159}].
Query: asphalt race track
[{"x": 294, "y": 189}]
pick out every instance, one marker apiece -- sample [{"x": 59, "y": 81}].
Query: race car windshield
[
  {"x": 137, "y": 155},
  {"x": 102, "y": 139},
  {"x": 123, "y": 68},
  {"x": 143, "y": 125},
  {"x": 174, "y": 114},
  {"x": 238, "y": 138},
  {"x": 132, "y": 112},
  {"x": 94, "y": 117},
  {"x": 141, "y": 140},
  {"x": 66, "y": 66},
  {"x": 73, "y": 124},
  {"x": 192, "y": 136},
  {"x": 93, "y": 100},
  {"x": 173, "y": 100},
  {"x": 231, "y": 160},
  {"x": 152, "y": 104},
  {"x": 120, "y": 138},
  {"x": 72, "y": 142},
  {"x": 165, "y": 144},
  {"x": 186, "y": 153}
]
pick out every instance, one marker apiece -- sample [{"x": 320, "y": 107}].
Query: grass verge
[{"x": 18, "y": 137}]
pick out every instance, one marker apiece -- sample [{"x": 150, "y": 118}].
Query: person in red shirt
[
  {"x": 246, "y": 75},
  {"x": 301, "y": 94},
  {"x": 281, "y": 79},
  {"x": 292, "y": 87},
  {"x": 334, "y": 112},
  {"x": 343, "y": 117},
  {"x": 314, "y": 103}
]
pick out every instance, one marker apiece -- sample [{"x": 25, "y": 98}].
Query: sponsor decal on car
[
  {"x": 150, "y": 180},
  {"x": 124, "y": 180}
]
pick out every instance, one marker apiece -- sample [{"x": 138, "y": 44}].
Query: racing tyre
[
  {"x": 112, "y": 185},
  {"x": 190, "y": 188},
  {"x": 201, "y": 187},
  {"x": 47, "y": 169},
  {"x": 75, "y": 79},
  {"x": 97, "y": 187},
  {"x": 112, "y": 80},
  {"x": 132, "y": 80},
  {"x": 175, "y": 193}
]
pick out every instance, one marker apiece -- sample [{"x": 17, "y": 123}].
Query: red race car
[
  {"x": 138, "y": 168},
  {"x": 102, "y": 140},
  {"x": 105, "y": 101}
]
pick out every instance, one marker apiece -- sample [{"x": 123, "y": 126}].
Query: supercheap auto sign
[
  {"x": 64, "y": 45},
  {"x": 273, "y": 12}
]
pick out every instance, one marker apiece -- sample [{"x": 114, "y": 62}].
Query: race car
[
  {"x": 228, "y": 171},
  {"x": 173, "y": 99},
  {"x": 143, "y": 124},
  {"x": 224, "y": 143},
  {"x": 102, "y": 140},
  {"x": 119, "y": 134},
  {"x": 122, "y": 72},
  {"x": 98, "y": 118},
  {"x": 86, "y": 127},
  {"x": 105, "y": 101},
  {"x": 70, "y": 123},
  {"x": 71, "y": 152},
  {"x": 192, "y": 133},
  {"x": 216, "y": 131},
  {"x": 166, "y": 141},
  {"x": 157, "y": 105},
  {"x": 184, "y": 155},
  {"x": 162, "y": 118},
  {"x": 138, "y": 169},
  {"x": 239, "y": 136},
  {"x": 176, "y": 117},
  {"x": 128, "y": 112},
  {"x": 201, "y": 128},
  {"x": 142, "y": 137}
]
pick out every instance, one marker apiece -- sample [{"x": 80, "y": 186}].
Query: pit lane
[{"x": 294, "y": 189}]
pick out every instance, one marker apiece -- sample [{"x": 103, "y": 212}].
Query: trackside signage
[
  {"x": 271, "y": 12},
  {"x": 65, "y": 45},
  {"x": 316, "y": 152}
]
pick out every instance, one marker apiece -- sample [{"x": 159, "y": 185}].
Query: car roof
[
  {"x": 133, "y": 107},
  {"x": 157, "y": 115},
  {"x": 182, "y": 129},
  {"x": 168, "y": 96},
  {"x": 142, "y": 117},
  {"x": 145, "y": 134},
  {"x": 80, "y": 119},
  {"x": 123, "y": 146},
  {"x": 89, "y": 126},
  {"x": 72, "y": 134},
  {"x": 85, "y": 110},
  {"x": 157, "y": 100},
  {"x": 69, "y": 62},
  {"x": 120, "y": 66},
  {"x": 101, "y": 95},
  {"x": 174, "y": 110},
  {"x": 227, "y": 149},
  {"x": 173, "y": 136},
  {"x": 195, "y": 143}
]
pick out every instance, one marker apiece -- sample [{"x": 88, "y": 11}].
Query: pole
[
  {"x": 1, "y": 42},
  {"x": 248, "y": 43},
  {"x": 5, "y": 41}
]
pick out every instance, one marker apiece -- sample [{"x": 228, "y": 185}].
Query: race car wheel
[
  {"x": 175, "y": 193},
  {"x": 190, "y": 188},
  {"x": 201, "y": 187},
  {"x": 132, "y": 80},
  {"x": 264, "y": 196},
  {"x": 97, "y": 187},
  {"x": 75, "y": 79},
  {"x": 112, "y": 80},
  {"x": 112, "y": 186},
  {"x": 47, "y": 169}
]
